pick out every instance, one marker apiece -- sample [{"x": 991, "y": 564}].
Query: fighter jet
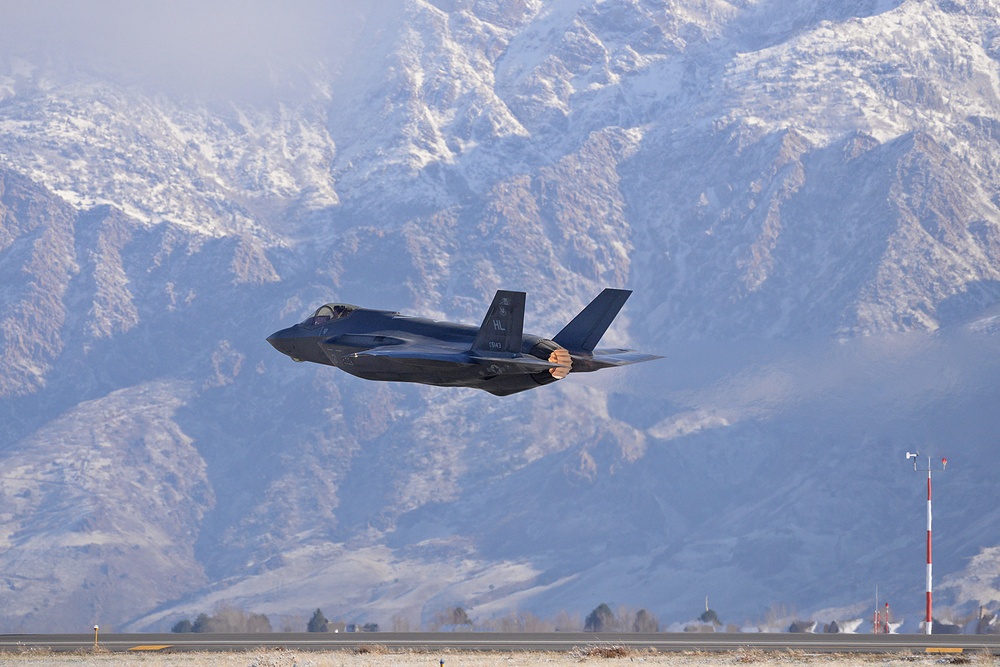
[{"x": 496, "y": 356}]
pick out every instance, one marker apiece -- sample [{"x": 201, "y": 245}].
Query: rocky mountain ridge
[{"x": 802, "y": 195}]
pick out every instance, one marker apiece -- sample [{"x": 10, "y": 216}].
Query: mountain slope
[{"x": 803, "y": 197}]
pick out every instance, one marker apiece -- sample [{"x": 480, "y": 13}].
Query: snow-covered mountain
[{"x": 804, "y": 195}]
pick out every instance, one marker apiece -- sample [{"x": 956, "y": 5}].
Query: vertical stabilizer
[
  {"x": 587, "y": 328},
  {"x": 503, "y": 327}
]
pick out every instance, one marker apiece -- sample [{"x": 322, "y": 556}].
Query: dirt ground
[{"x": 596, "y": 657}]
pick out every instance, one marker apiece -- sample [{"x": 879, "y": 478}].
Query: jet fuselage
[{"x": 496, "y": 356}]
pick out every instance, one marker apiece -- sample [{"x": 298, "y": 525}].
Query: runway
[{"x": 508, "y": 642}]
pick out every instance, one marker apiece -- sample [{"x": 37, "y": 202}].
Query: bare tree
[
  {"x": 566, "y": 622},
  {"x": 778, "y": 615},
  {"x": 518, "y": 621},
  {"x": 400, "y": 623}
]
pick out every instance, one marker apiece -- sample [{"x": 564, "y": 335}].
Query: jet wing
[
  {"x": 394, "y": 349},
  {"x": 365, "y": 341},
  {"x": 432, "y": 354},
  {"x": 426, "y": 353},
  {"x": 417, "y": 353}
]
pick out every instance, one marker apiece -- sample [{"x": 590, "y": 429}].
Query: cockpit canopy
[{"x": 328, "y": 312}]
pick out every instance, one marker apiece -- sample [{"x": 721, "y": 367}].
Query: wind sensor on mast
[{"x": 929, "y": 619}]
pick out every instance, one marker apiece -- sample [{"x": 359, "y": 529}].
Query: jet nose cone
[
  {"x": 281, "y": 341},
  {"x": 287, "y": 342}
]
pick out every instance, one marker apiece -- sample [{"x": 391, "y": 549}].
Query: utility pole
[{"x": 929, "y": 620}]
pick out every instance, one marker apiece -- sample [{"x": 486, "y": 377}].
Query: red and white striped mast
[{"x": 929, "y": 620}]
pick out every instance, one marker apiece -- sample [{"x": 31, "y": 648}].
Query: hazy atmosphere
[{"x": 224, "y": 49}]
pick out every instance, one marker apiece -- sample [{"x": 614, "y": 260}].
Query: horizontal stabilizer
[
  {"x": 622, "y": 357},
  {"x": 587, "y": 328},
  {"x": 608, "y": 358}
]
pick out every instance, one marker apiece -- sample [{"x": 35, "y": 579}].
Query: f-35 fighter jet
[{"x": 496, "y": 357}]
